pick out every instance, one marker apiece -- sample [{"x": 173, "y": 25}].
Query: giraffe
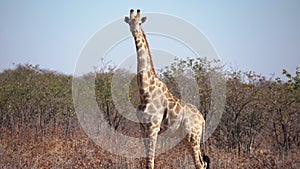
[{"x": 159, "y": 110}]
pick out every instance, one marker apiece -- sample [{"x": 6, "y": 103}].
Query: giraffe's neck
[{"x": 145, "y": 63}]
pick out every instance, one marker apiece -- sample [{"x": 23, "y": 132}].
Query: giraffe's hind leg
[{"x": 192, "y": 143}]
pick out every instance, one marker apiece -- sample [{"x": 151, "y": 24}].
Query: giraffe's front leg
[
  {"x": 150, "y": 152},
  {"x": 150, "y": 143}
]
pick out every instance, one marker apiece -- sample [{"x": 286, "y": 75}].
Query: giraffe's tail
[
  {"x": 205, "y": 158},
  {"x": 206, "y": 161}
]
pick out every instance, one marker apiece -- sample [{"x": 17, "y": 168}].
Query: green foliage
[
  {"x": 33, "y": 98},
  {"x": 254, "y": 106},
  {"x": 40, "y": 100}
]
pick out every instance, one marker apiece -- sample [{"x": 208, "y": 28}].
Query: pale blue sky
[{"x": 250, "y": 35}]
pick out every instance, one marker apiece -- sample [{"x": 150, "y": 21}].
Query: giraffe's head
[{"x": 135, "y": 22}]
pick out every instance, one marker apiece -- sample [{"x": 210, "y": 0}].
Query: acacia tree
[
  {"x": 105, "y": 86},
  {"x": 194, "y": 76},
  {"x": 241, "y": 120},
  {"x": 34, "y": 98},
  {"x": 282, "y": 106}
]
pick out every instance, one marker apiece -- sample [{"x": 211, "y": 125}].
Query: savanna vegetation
[{"x": 259, "y": 128}]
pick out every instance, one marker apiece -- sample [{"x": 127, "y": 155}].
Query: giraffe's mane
[{"x": 148, "y": 50}]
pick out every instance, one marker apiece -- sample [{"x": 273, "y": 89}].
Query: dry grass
[{"x": 27, "y": 150}]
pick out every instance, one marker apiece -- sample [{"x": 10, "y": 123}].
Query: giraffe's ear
[
  {"x": 126, "y": 19},
  {"x": 143, "y": 19}
]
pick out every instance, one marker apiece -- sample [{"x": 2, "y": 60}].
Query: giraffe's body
[{"x": 159, "y": 110}]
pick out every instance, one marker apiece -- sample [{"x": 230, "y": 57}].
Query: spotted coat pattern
[{"x": 159, "y": 111}]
